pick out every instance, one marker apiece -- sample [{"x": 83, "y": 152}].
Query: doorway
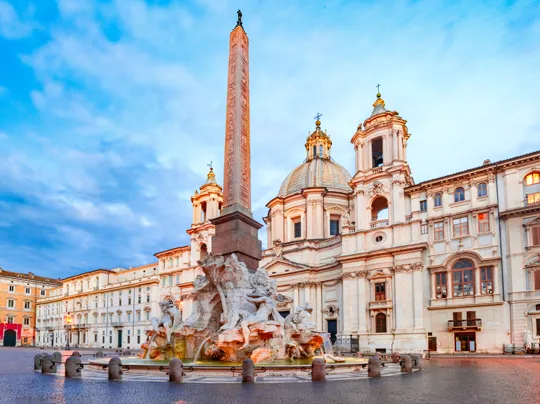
[
  {"x": 10, "y": 338},
  {"x": 119, "y": 338},
  {"x": 332, "y": 330},
  {"x": 465, "y": 342}
]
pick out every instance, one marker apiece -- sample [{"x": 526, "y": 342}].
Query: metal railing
[{"x": 379, "y": 223}]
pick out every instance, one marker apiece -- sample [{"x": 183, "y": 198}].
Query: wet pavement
[{"x": 509, "y": 380}]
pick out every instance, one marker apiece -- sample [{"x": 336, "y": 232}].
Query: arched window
[
  {"x": 459, "y": 195},
  {"x": 377, "y": 152},
  {"x": 379, "y": 209},
  {"x": 380, "y": 322},
  {"x": 463, "y": 278},
  {"x": 204, "y": 251},
  {"x": 437, "y": 200},
  {"x": 482, "y": 189},
  {"x": 532, "y": 178},
  {"x": 314, "y": 151},
  {"x": 320, "y": 150}
]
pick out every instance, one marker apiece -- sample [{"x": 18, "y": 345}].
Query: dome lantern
[{"x": 318, "y": 144}]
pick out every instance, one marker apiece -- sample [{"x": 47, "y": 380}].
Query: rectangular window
[
  {"x": 147, "y": 315},
  {"x": 438, "y": 231},
  {"x": 138, "y": 316},
  {"x": 457, "y": 318},
  {"x": 10, "y": 320},
  {"x": 423, "y": 229},
  {"x": 334, "y": 227},
  {"x": 27, "y": 291},
  {"x": 163, "y": 280},
  {"x": 463, "y": 282},
  {"x": 26, "y": 321},
  {"x": 298, "y": 229},
  {"x": 533, "y": 199},
  {"x": 170, "y": 278},
  {"x": 440, "y": 285},
  {"x": 147, "y": 298},
  {"x": 538, "y": 327},
  {"x": 129, "y": 317},
  {"x": 11, "y": 303},
  {"x": 535, "y": 235},
  {"x": 42, "y": 292},
  {"x": 139, "y": 299},
  {"x": 483, "y": 222},
  {"x": 537, "y": 280},
  {"x": 423, "y": 206},
  {"x": 380, "y": 291},
  {"x": 486, "y": 279},
  {"x": 11, "y": 288},
  {"x": 471, "y": 318},
  {"x": 95, "y": 337},
  {"x": 27, "y": 305},
  {"x": 461, "y": 227}
]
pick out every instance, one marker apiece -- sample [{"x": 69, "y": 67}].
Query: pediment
[
  {"x": 534, "y": 222},
  {"x": 285, "y": 263}
]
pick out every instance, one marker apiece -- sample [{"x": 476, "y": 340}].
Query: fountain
[{"x": 234, "y": 316}]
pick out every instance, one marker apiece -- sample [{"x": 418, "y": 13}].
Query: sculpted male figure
[
  {"x": 265, "y": 310},
  {"x": 168, "y": 321}
]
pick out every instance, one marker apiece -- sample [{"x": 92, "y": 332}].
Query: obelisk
[{"x": 236, "y": 231}]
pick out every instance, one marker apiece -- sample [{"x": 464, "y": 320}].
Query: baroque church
[{"x": 450, "y": 264}]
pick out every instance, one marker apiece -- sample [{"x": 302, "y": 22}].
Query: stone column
[
  {"x": 418, "y": 296},
  {"x": 349, "y": 286},
  {"x": 296, "y": 298},
  {"x": 394, "y": 145},
  {"x": 363, "y": 297},
  {"x": 319, "y": 307}
]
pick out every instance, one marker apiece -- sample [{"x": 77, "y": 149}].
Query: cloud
[
  {"x": 128, "y": 107},
  {"x": 11, "y": 26}
]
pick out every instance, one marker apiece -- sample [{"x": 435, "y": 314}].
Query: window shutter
[
  {"x": 537, "y": 280},
  {"x": 457, "y": 315},
  {"x": 535, "y": 235},
  {"x": 471, "y": 315}
]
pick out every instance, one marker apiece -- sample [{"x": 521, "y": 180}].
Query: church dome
[{"x": 314, "y": 173}]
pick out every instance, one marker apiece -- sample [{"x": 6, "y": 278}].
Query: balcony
[
  {"x": 117, "y": 324},
  {"x": 380, "y": 304},
  {"x": 473, "y": 324},
  {"x": 379, "y": 223}
]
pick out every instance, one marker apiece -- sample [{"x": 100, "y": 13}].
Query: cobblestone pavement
[{"x": 509, "y": 380}]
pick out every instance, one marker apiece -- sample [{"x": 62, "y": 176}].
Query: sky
[{"x": 110, "y": 111}]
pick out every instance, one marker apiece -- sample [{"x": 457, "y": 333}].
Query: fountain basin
[{"x": 275, "y": 368}]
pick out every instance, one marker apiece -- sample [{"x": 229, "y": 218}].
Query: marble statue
[{"x": 234, "y": 315}]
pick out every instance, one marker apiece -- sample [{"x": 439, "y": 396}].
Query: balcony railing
[
  {"x": 532, "y": 199},
  {"x": 530, "y": 294},
  {"x": 465, "y": 324},
  {"x": 117, "y": 324},
  {"x": 379, "y": 223},
  {"x": 380, "y": 304}
]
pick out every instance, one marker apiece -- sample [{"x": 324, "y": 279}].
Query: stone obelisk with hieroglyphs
[{"x": 236, "y": 231}]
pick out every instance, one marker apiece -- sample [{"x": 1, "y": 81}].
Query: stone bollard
[
  {"x": 57, "y": 357},
  {"x": 76, "y": 353},
  {"x": 100, "y": 354},
  {"x": 115, "y": 369},
  {"x": 359, "y": 355},
  {"x": 73, "y": 366},
  {"x": 248, "y": 371},
  {"x": 395, "y": 357},
  {"x": 176, "y": 371},
  {"x": 48, "y": 364},
  {"x": 406, "y": 363},
  {"x": 37, "y": 360},
  {"x": 374, "y": 366},
  {"x": 416, "y": 361},
  {"x": 318, "y": 370}
]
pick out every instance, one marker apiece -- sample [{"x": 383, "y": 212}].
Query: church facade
[{"x": 449, "y": 264}]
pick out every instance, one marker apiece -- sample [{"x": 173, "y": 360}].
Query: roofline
[
  {"x": 88, "y": 272},
  {"x": 181, "y": 248},
  {"x": 486, "y": 167},
  {"x": 35, "y": 278}
]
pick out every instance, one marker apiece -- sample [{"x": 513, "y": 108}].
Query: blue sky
[{"x": 110, "y": 110}]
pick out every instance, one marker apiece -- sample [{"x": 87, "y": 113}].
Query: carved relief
[{"x": 377, "y": 189}]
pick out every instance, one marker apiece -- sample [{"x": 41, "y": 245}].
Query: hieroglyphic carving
[{"x": 237, "y": 178}]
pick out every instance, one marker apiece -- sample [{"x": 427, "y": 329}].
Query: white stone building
[{"x": 393, "y": 265}]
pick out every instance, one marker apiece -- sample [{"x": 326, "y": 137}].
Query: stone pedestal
[{"x": 236, "y": 233}]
